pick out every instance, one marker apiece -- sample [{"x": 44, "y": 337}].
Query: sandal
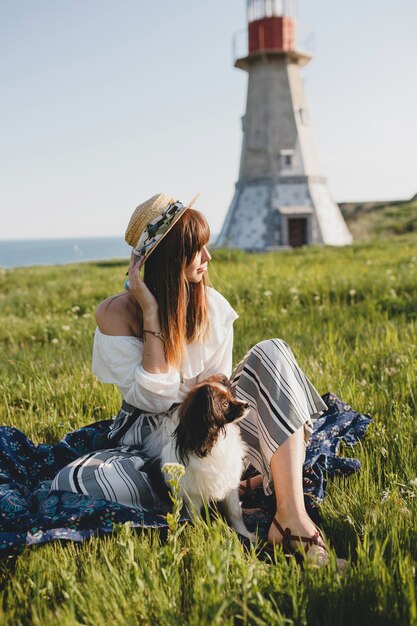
[
  {"x": 245, "y": 485},
  {"x": 300, "y": 553},
  {"x": 316, "y": 539}
]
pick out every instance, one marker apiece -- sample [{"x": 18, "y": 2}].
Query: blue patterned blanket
[{"x": 30, "y": 513}]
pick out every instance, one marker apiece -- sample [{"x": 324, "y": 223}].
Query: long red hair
[{"x": 183, "y": 306}]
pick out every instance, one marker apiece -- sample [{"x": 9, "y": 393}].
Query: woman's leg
[
  {"x": 287, "y": 474},
  {"x": 117, "y": 475},
  {"x": 121, "y": 472},
  {"x": 283, "y": 401},
  {"x": 281, "y": 397}
]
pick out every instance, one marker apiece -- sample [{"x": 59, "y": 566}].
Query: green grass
[{"x": 350, "y": 317}]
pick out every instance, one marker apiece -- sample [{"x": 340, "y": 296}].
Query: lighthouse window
[{"x": 287, "y": 158}]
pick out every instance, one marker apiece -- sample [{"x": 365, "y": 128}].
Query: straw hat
[{"x": 151, "y": 221}]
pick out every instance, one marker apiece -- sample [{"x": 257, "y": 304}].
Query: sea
[
  {"x": 25, "y": 252},
  {"x": 21, "y": 253}
]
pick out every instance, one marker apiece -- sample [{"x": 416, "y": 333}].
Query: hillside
[{"x": 375, "y": 219}]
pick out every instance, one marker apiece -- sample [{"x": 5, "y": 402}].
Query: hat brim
[{"x": 160, "y": 238}]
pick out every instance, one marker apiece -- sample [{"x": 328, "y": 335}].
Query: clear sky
[{"x": 107, "y": 102}]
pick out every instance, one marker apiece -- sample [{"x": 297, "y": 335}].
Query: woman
[{"x": 167, "y": 332}]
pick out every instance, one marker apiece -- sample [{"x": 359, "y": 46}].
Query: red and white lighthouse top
[{"x": 272, "y": 25}]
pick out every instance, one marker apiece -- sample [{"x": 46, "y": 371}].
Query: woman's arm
[
  {"x": 117, "y": 359},
  {"x": 153, "y": 359},
  {"x": 139, "y": 369}
]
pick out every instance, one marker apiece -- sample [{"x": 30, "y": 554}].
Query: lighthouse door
[{"x": 297, "y": 232}]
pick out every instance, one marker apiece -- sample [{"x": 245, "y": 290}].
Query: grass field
[{"x": 350, "y": 317}]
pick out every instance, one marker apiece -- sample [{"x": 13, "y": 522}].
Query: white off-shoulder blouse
[{"x": 118, "y": 360}]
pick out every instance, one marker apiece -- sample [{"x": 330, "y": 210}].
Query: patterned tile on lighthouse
[
  {"x": 291, "y": 194},
  {"x": 249, "y": 222}
]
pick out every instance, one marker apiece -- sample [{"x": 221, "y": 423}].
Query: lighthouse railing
[{"x": 306, "y": 41}]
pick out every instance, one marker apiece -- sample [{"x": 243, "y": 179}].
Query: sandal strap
[
  {"x": 245, "y": 485},
  {"x": 287, "y": 537}
]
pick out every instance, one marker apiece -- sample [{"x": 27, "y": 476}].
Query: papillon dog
[{"x": 202, "y": 434}]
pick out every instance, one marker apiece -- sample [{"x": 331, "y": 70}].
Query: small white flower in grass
[
  {"x": 284, "y": 311},
  {"x": 86, "y": 315},
  {"x": 55, "y": 340},
  {"x": 316, "y": 297},
  {"x": 267, "y": 293},
  {"x": 352, "y": 292},
  {"x": 293, "y": 290},
  {"x": 385, "y": 496},
  {"x": 65, "y": 327},
  {"x": 75, "y": 308},
  {"x": 413, "y": 482}
]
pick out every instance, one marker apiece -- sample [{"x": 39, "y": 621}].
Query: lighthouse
[{"x": 281, "y": 198}]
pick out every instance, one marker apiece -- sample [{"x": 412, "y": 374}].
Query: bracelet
[{"x": 155, "y": 333}]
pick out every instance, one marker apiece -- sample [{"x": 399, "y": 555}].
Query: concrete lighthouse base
[{"x": 287, "y": 212}]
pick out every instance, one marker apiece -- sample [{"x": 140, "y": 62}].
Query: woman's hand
[{"x": 138, "y": 289}]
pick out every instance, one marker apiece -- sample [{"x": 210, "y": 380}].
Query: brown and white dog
[{"x": 202, "y": 434}]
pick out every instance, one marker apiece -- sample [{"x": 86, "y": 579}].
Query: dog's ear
[
  {"x": 220, "y": 378},
  {"x": 197, "y": 430},
  {"x": 225, "y": 380}
]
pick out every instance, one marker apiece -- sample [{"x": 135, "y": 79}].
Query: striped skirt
[{"x": 282, "y": 400}]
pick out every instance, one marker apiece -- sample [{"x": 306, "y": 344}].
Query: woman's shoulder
[
  {"x": 219, "y": 305},
  {"x": 215, "y": 296},
  {"x": 115, "y": 316}
]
